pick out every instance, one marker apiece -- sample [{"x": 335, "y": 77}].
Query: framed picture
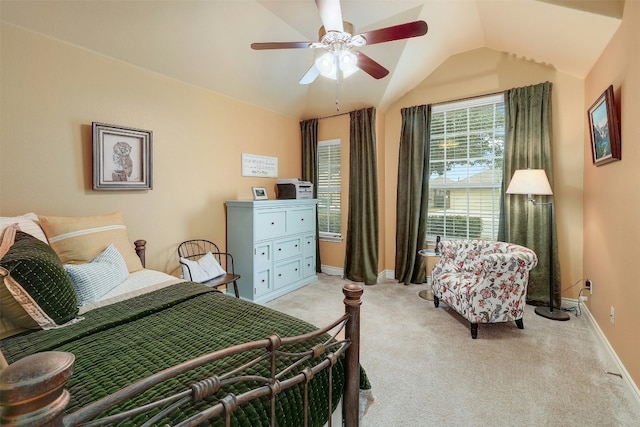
[
  {"x": 121, "y": 158},
  {"x": 259, "y": 193},
  {"x": 604, "y": 129}
]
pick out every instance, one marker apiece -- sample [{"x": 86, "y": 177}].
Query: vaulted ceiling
[{"x": 207, "y": 43}]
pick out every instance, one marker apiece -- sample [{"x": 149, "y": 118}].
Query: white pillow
[
  {"x": 202, "y": 270},
  {"x": 94, "y": 279}
]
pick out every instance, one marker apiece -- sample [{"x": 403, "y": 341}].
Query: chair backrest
[
  {"x": 196, "y": 248},
  {"x": 469, "y": 254}
]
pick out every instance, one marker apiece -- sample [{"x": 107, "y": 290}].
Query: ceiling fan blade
[
  {"x": 370, "y": 66},
  {"x": 310, "y": 75},
  {"x": 280, "y": 45},
  {"x": 330, "y": 14},
  {"x": 396, "y": 32}
]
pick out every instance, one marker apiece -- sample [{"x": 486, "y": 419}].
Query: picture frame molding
[
  {"x": 612, "y": 147},
  {"x": 259, "y": 193},
  {"x": 137, "y": 172}
]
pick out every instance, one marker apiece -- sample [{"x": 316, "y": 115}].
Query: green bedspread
[{"x": 121, "y": 343}]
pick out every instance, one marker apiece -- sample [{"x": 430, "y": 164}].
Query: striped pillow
[
  {"x": 78, "y": 240},
  {"x": 96, "y": 278},
  {"x": 28, "y": 223}
]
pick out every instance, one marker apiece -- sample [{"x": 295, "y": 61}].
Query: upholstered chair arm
[{"x": 448, "y": 259}]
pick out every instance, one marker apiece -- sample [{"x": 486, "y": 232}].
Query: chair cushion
[{"x": 202, "y": 270}]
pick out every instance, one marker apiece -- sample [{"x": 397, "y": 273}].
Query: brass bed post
[
  {"x": 32, "y": 390},
  {"x": 352, "y": 301}
]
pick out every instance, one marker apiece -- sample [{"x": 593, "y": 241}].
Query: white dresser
[{"x": 273, "y": 243}]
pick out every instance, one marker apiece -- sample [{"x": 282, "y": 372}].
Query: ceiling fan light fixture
[
  {"x": 330, "y": 62},
  {"x": 348, "y": 62},
  {"x": 326, "y": 64}
]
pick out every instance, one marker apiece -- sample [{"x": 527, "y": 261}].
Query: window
[
  {"x": 329, "y": 183},
  {"x": 466, "y": 163}
]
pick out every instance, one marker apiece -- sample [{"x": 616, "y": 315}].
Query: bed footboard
[{"x": 32, "y": 389}]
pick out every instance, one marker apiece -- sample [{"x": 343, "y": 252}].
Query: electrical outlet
[
  {"x": 589, "y": 284},
  {"x": 583, "y": 298},
  {"x": 612, "y": 315}
]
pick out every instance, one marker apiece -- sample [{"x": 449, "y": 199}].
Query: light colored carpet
[{"x": 425, "y": 369}]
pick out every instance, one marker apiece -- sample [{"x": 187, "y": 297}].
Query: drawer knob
[
  {"x": 279, "y": 249},
  {"x": 272, "y": 223},
  {"x": 279, "y": 274},
  {"x": 262, "y": 280},
  {"x": 296, "y": 245},
  {"x": 295, "y": 269}
]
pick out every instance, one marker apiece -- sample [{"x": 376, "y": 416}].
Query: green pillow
[{"x": 34, "y": 275}]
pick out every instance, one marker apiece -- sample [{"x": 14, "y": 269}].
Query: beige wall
[
  {"x": 612, "y": 198},
  {"x": 52, "y": 92},
  {"x": 485, "y": 71}
]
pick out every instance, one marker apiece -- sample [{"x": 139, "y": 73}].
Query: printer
[{"x": 293, "y": 188}]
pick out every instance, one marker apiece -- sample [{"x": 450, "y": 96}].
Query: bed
[{"x": 155, "y": 350}]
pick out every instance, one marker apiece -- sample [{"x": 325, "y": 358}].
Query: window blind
[
  {"x": 329, "y": 189},
  {"x": 466, "y": 164}
]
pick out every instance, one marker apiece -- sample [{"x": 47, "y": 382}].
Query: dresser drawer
[
  {"x": 270, "y": 224},
  {"x": 301, "y": 219},
  {"x": 309, "y": 245},
  {"x": 287, "y": 248},
  {"x": 262, "y": 283},
  {"x": 286, "y": 272},
  {"x": 309, "y": 266},
  {"x": 262, "y": 255}
]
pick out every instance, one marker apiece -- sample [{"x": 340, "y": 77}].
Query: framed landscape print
[
  {"x": 121, "y": 158},
  {"x": 604, "y": 129}
]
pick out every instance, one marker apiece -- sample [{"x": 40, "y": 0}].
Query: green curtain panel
[
  {"x": 528, "y": 146},
  {"x": 361, "y": 258},
  {"x": 309, "y": 133},
  {"x": 412, "y": 194}
]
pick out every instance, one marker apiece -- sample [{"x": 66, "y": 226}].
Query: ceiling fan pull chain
[{"x": 338, "y": 73}]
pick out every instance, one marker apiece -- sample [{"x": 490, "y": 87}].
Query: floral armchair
[{"x": 484, "y": 281}]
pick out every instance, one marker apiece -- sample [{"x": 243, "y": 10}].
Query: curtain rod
[
  {"x": 335, "y": 115},
  {"x": 469, "y": 97}
]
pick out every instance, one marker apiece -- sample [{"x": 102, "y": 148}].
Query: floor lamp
[{"x": 534, "y": 181}]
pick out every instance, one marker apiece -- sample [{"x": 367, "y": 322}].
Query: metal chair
[{"x": 194, "y": 249}]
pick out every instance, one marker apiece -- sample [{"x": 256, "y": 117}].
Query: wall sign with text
[{"x": 260, "y": 166}]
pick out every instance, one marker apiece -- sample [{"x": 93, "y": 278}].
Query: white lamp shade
[{"x": 529, "y": 181}]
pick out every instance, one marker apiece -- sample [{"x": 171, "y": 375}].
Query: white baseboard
[
  {"x": 631, "y": 385},
  {"x": 335, "y": 271},
  {"x": 332, "y": 271}
]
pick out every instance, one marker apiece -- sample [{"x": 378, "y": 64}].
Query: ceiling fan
[{"x": 338, "y": 40}]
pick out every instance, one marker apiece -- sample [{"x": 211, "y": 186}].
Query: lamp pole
[{"x": 549, "y": 312}]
